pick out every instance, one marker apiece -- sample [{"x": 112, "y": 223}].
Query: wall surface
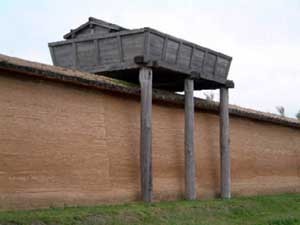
[{"x": 63, "y": 144}]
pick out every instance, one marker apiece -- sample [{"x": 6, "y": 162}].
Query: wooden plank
[
  {"x": 156, "y": 46},
  {"x": 228, "y": 67},
  {"x": 178, "y": 52},
  {"x": 97, "y": 49},
  {"x": 142, "y": 30},
  {"x": 98, "y": 36},
  {"x": 111, "y": 67},
  {"x": 191, "y": 57},
  {"x": 197, "y": 60},
  {"x": 145, "y": 78},
  {"x": 64, "y": 55},
  {"x": 110, "y": 52},
  {"x": 53, "y": 57},
  {"x": 161, "y": 49},
  {"x": 215, "y": 66},
  {"x": 147, "y": 45},
  {"x": 203, "y": 62},
  {"x": 74, "y": 53},
  {"x": 184, "y": 56},
  {"x": 224, "y": 145},
  {"x": 92, "y": 27},
  {"x": 164, "y": 50},
  {"x": 190, "y": 170},
  {"x": 171, "y": 51},
  {"x": 121, "y": 54},
  {"x": 86, "y": 55},
  {"x": 132, "y": 46},
  {"x": 175, "y": 39}
]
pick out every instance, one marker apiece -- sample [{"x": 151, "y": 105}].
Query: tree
[
  {"x": 281, "y": 110},
  {"x": 298, "y": 115},
  {"x": 209, "y": 96}
]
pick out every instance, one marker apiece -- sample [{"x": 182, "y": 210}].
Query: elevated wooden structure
[
  {"x": 153, "y": 59},
  {"x": 105, "y": 48}
]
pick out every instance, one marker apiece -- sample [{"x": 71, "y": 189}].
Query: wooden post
[
  {"x": 145, "y": 78},
  {"x": 190, "y": 180},
  {"x": 224, "y": 145}
]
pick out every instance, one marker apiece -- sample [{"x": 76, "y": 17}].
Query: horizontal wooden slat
[
  {"x": 171, "y": 51},
  {"x": 86, "y": 54},
  {"x": 185, "y": 56},
  {"x": 152, "y": 46},
  {"x": 132, "y": 46}
]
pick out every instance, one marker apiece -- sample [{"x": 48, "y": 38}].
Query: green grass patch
[{"x": 262, "y": 210}]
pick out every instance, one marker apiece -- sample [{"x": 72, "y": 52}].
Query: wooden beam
[
  {"x": 97, "y": 52},
  {"x": 224, "y": 145},
  {"x": 74, "y": 55},
  {"x": 190, "y": 178},
  {"x": 145, "y": 78}
]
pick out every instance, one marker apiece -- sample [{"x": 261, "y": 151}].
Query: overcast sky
[{"x": 262, "y": 36}]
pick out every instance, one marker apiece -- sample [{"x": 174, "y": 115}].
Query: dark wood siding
[
  {"x": 117, "y": 51},
  {"x": 86, "y": 53},
  {"x": 171, "y": 51},
  {"x": 109, "y": 52},
  {"x": 132, "y": 46},
  {"x": 156, "y": 46},
  {"x": 63, "y": 55},
  {"x": 184, "y": 55},
  {"x": 197, "y": 60}
]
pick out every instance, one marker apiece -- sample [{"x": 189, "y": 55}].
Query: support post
[
  {"x": 224, "y": 145},
  {"x": 145, "y": 78},
  {"x": 190, "y": 179}
]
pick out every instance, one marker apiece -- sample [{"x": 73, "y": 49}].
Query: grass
[{"x": 263, "y": 210}]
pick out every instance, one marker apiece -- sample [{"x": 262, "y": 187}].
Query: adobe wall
[{"x": 63, "y": 144}]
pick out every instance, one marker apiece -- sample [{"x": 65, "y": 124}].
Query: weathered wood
[
  {"x": 156, "y": 43},
  {"x": 224, "y": 145},
  {"x": 64, "y": 55},
  {"x": 86, "y": 54},
  {"x": 208, "y": 67},
  {"x": 215, "y": 67},
  {"x": 164, "y": 49},
  {"x": 145, "y": 78},
  {"x": 203, "y": 62},
  {"x": 93, "y": 25},
  {"x": 53, "y": 57},
  {"x": 109, "y": 51},
  {"x": 74, "y": 54},
  {"x": 171, "y": 51},
  {"x": 185, "y": 56},
  {"x": 190, "y": 170},
  {"x": 92, "y": 28},
  {"x": 191, "y": 57},
  {"x": 153, "y": 45},
  {"x": 178, "y": 52},
  {"x": 146, "y": 45},
  {"x": 132, "y": 46},
  {"x": 197, "y": 59},
  {"x": 174, "y": 58},
  {"x": 120, "y": 48},
  {"x": 97, "y": 52}
]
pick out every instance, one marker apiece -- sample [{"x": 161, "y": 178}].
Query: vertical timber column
[
  {"x": 224, "y": 145},
  {"x": 145, "y": 78},
  {"x": 190, "y": 178}
]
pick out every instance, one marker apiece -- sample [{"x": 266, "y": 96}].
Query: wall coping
[{"x": 29, "y": 68}]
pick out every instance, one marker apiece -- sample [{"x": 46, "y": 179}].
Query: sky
[{"x": 262, "y": 36}]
